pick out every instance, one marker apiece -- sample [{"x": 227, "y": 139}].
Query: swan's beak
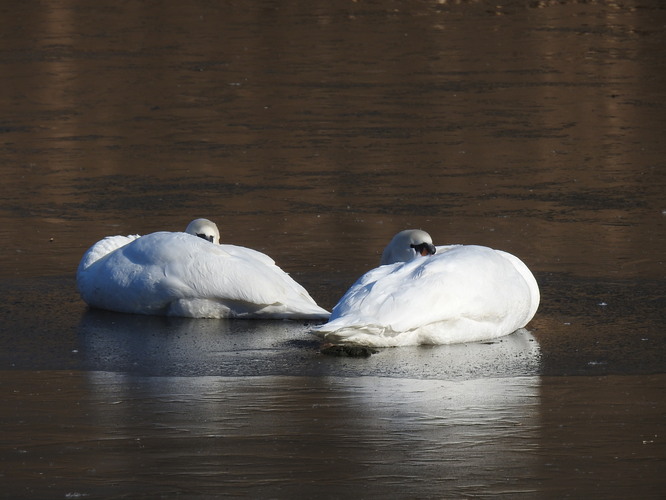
[
  {"x": 206, "y": 237},
  {"x": 425, "y": 249},
  {"x": 429, "y": 249}
]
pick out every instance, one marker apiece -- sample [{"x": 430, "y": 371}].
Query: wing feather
[{"x": 459, "y": 283}]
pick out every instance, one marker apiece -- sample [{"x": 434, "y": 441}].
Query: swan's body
[
  {"x": 459, "y": 294},
  {"x": 189, "y": 274}
]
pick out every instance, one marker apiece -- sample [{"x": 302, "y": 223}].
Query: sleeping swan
[
  {"x": 422, "y": 294},
  {"x": 190, "y": 274}
]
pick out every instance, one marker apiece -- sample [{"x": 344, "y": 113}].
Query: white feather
[
  {"x": 460, "y": 294},
  {"x": 179, "y": 274}
]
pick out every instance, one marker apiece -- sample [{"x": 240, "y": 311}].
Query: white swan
[
  {"x": 190, "y": 274},
  {"x": 426, "y": 295}
]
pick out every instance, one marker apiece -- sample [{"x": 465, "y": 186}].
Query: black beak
[
  {"x": 425, "y": 249},
  {"x": 207, "y": 238}
]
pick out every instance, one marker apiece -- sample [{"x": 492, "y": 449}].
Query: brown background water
[{"x": 313, "y": 132}]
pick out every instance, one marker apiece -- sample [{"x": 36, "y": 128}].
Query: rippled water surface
[{"x": 313, "y": 132}]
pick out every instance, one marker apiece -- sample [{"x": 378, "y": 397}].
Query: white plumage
[
  {"x": 190, "y": 274},
  {"x": 459, "y": 294}
]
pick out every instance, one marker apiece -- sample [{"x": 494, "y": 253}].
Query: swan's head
[
  {"x": 406, "y": 245},
  {"x": 203, "y": 228}
]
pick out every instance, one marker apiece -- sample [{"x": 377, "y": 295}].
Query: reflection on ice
[
  {"x": 162, "y": 346},
  {"x": 183, "y": 346},
  {"x": 457, "y": 419},
  {"x": 253, "y": 407},
  {"x": 296, "y": 435}
]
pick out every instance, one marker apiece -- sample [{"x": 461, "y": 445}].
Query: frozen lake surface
[{"x": 314, "y": 133}]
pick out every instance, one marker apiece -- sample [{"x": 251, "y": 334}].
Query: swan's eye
[
  {"x": 424, "y": 249},
  {"x": 205, "y": 237}
]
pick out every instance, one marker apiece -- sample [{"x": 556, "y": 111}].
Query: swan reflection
[
  {"x": 154, "y": 345},
  {"x": 291, "y": 436},
  {"x": 441, "y": 419}
]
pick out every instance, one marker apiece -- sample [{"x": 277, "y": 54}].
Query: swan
[
  {"x": 189, "y": 274},
  {"x": 422, "y": 294}
]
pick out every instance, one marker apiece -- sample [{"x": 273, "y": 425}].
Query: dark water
[{"x": 314, "y": 132}]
